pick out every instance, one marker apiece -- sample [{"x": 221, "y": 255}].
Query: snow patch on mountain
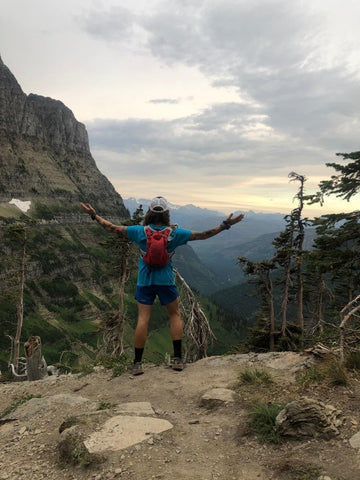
[{"x": 20, "y": 204}]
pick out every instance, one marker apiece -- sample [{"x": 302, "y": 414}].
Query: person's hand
[
  {"x": 88, "y": 208},
  {"x": 233, "y": 220}
]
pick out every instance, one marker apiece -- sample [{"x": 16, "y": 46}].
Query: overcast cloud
[{"x": 210, "y": 102}]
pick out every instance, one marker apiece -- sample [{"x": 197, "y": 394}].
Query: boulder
[
  {"x": 355, "y": 440},
  {"x": 308, "y": 417},
  {"x": 123, "y": 431},
  {"x": 217, "y": 397}
]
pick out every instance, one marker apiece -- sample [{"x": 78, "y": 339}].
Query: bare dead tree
[
  {"x": 20, "y": 303},
  {"x": 197, "y": 330},
  {"x": 31, "y": 367},
  {"x": 111, "y": 343},
  {"x": 350, "y": 310},
  {"x": 36, "y": 367},
  {"x": 21, "y": 364}
]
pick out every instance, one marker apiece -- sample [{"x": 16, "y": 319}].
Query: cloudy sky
[{"x": 210, "y": 102}]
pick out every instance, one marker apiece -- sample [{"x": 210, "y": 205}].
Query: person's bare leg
[
  {"x": 144, "y": 312},
  {"x": 176, "y": 331},
  {"x": 176, "y": 328},
  {"x": 141, "y": 331}
]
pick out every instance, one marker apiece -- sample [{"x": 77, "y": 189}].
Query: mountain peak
[{"x": 45, "y": 153}]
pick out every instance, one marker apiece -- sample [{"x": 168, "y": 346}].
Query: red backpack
[{"x": 156, "y": 247}]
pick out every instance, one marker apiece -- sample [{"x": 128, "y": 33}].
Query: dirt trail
[{"x": 204, "y": 444}]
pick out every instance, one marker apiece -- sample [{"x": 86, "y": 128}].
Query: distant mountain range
[
  {"x": 252, "y": 238},
  {"x": 189, "y": 216}
]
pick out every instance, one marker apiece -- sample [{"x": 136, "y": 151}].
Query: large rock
[
  {"x": 309, "y": 418},
  {"x": 122, "y": 431},
  {"x": 37, "y": 117},
  {"x": 45, "y": 405},
  {"x": 117, "y": 428},
  {"x": 45, "y": 154},
  {"x": 217, "y": 397},
  {"x": 355, "y": 440}
]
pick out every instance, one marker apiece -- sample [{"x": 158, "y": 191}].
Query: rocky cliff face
[{"x": 44, "y": 153}]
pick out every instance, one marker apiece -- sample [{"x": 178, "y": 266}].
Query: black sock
[
  {"x": 138, "y": 355},
  {"x": 177, "y": 348}
]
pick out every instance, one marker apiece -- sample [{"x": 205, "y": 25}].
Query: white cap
[{"x": 159, "y": 205}]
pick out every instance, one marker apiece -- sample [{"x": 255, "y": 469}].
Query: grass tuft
[
  {"x": 313, "y": 375},
  {"x": 105, "y": 405},
  {"x": 255, "y": 376},
  {"x": 72, "y": 451},
  {"x": 263, "y": 417},
  {"x": 337, "y": 374},
  {"x": 117, "y": 363}
]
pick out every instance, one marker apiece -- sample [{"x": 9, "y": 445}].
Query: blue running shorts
[{"x": 166, "y": 293}]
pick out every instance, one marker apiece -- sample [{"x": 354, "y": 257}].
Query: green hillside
[{"x": 71, "y": 291}]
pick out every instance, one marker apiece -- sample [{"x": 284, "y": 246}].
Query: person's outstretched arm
[
  {"x": 110, "y": 227},
  {"x": 225, "y": 225}
]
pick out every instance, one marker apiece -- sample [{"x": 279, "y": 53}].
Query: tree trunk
[
  {"x": 121, "y": 313},
  {"x": 345, "y": 316},
  {"x": 36, "y": 367},
  {"x": 299, "y": 260},
  {"x": 300, "y": 296},
  {"x": 20, "y": 307},
  {"x": 197, "y": 330},
  {"x": 319, "y": 305},
  {"x": 269, "y": 288},
  {"x": 285, "y": 301}
]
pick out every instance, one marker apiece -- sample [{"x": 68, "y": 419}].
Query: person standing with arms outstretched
[{"x": 158, "y": 281}]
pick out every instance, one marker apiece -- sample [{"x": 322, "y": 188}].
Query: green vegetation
[
  {"x": 50, "y": 211},
  {"x": 72, "y": 451},
  {"x": 309, "y": 284},
  {"x": 332, "y": 372},
  {"x": 263, "y": 416},
  {"x": 255, "y": 376},
  {"x": 117, "y": 363},
  {"x": 312, "y": 375},
  {"x": 337, "y": 374},
  {"x": 105, "y": 405}
]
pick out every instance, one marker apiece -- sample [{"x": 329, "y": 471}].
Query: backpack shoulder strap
[{"x": 148, "y": 230}]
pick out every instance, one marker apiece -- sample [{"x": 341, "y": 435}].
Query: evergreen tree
[
  {"x": 289, "y": 256},
  {"x": 333, "y": 265},
  {"x": 345, "y": 184},
  {"x": 317, "y": 282},
  {"x": 16, "y": 239},
  {"x": 261, "y": 271},
  {"x": 337, "y": 247}
]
